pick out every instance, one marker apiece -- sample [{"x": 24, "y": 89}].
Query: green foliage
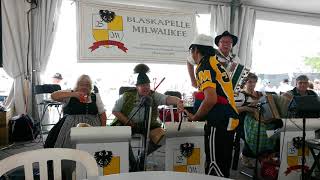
[{"x": 313, "y": 62}]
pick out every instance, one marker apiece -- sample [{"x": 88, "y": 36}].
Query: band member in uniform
[
  {"x": 129, "y": 103},
  {"x": 218, "y": 106},
  {"x": 224, "y": 55}
]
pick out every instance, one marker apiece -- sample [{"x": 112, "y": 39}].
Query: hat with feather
[{"x": 142, "y": 70}]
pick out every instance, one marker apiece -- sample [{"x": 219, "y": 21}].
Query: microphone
[{"x": 145, "y": 101}]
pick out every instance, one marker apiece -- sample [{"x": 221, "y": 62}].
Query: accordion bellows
[
  {"x": 275, "y": 107},
  {"x": 237, "y": 72}
]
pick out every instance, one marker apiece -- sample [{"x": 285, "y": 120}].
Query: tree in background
[{"x": 313, "y": 62}]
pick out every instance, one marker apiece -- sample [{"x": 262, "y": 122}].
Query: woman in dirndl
[
  {"x": 247, "y": 99},
  {"x": 81, "y": 105}
]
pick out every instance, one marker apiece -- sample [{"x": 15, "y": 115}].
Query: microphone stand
[
  {"x": 146, "y": 134},
  {"x": 259, "y": 107},
  {"x": 303, "y": 177},
  {"x": 147, "y": 123},
  {"x": 255, "y": 175},
  {"x": 130, "y": 120},
  {"x": 140, "y": 106}
]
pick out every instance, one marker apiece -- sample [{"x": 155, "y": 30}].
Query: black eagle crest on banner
[
  {"x": 107, "y": 16},
  {"x": 186, "y": 149},
  {"x": 103, "y": 158}
]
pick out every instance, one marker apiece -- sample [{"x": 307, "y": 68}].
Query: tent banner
[{"x": 126, "y": 33}]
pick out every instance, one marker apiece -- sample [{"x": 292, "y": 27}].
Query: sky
[{"x": 281, "y": 47}]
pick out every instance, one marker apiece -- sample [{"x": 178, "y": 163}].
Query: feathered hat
[{"x": 142, "y": 71}]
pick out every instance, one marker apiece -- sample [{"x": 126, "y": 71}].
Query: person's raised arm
[{"x": 63, "y": 94}]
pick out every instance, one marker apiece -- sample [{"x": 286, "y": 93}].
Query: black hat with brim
[
  {"x": 226, "y": 33},
  {"x": 57, "y": 76}
]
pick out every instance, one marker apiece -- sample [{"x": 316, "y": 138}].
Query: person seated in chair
[
  {"x": 249, "y": 123},
  {"x": 127, "y": 112},
  {"x": 301, "y": 89},
  {"x": 81, "y": 105}
]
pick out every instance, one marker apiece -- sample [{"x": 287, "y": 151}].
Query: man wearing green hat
[{"x": 127, "y": 110}]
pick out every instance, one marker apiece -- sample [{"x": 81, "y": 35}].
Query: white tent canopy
[{"x": 296, "y": 11}]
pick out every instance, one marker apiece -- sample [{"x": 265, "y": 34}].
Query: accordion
[
  {"x": 238, "y": 73},
  {"x": 269, "y": 109}
]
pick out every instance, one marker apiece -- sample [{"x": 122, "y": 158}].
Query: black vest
[
  {"x": 75, "y": 107},
  {"x": 295, "y": 92}
]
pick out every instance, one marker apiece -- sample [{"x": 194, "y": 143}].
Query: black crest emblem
[
  {"x": 186, "y": 149},
  {"x": 107, "y": 16},
  {"x": 103, "y": 157}
]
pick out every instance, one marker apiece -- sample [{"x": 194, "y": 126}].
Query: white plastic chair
[
  {"x": 42, "y": 156},
  {"x": 159, "y": 175}
]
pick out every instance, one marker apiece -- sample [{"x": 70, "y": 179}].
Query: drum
[
  {"x": 238, "y": 73},
  {"x": 157, "y": 134}
]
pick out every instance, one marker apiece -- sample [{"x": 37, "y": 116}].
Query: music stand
[{"x": 304, "y": 107}]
